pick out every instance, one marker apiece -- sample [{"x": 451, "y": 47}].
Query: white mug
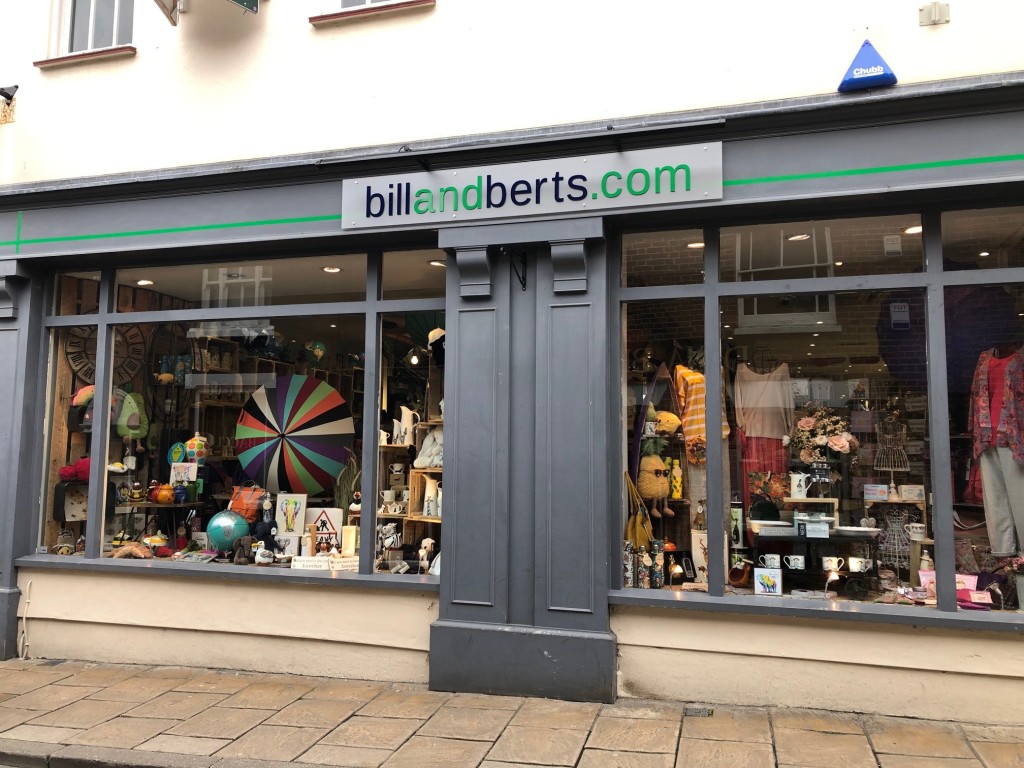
[
  {"x": 384, "y": 437},
  {"x": 405, "y": 495},
  {"x": 861, "y": 564},
  {"x": 388, "y": 497},
  {"x": 916, "y": 531},
  {"x": 770, "y": 561},
  {"x": 832, "y": 563},
  {"x": 796, "y": 562}
]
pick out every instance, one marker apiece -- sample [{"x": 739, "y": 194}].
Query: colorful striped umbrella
[{"x": 294, "y": 436}]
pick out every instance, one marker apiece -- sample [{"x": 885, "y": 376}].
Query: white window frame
[
  {"x": 66, "y": 28},
  {"x": 750, "y": 320}
]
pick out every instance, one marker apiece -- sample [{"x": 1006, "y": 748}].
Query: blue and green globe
[{"x": 224, "y": 527}]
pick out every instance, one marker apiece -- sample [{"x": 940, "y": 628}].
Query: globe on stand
[{"x": 224, "y": 527}]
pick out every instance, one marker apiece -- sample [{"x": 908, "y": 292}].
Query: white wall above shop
[{"x": 226, "y": 85}]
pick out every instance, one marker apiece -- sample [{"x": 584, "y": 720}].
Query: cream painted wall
[
  {"x": 226, "y": 85},
  {"x": 883, "y": 669},
  {"x": 301, "y": 629}
]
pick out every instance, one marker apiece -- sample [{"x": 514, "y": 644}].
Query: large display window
[
  {"x": 239, "y": 437},
  {"x": 830, "y": 470}
]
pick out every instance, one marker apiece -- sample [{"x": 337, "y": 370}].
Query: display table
[{"x": 813, "y": 549}]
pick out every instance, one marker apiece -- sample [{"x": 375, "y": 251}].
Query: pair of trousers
[{"x": 1002, "y": 486}]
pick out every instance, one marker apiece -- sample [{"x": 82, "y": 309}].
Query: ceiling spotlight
[
  {"x": 143, "y": 282},
  {"x": 801, "y": 236},
  {"x": 437, "y": 263},
  {"x": 332, "y": 270},
  {"x": 984, "y": 253},
  {"x": 839, "y": 263},
  {"x": 695, "y": 245},
  {"x": 333, "y": 325},
  {"x": 915, "y": 230},
  {"x": 7, "y": 94}
]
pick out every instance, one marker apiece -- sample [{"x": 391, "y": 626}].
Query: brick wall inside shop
[
  {"x": 657, "y": 324},
  {"x": 662, "y": 258}
]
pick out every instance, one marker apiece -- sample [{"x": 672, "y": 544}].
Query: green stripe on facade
[
  {"x": 17, "y": 243},
  {"x": 877, "y": 169}
]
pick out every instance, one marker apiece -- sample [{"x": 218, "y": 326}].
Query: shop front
[{"x": 445, "y": 420}]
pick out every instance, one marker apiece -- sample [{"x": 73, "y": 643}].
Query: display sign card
[
  {"x": 310, "y": 563},
  {"x": 814, "y": 530}
]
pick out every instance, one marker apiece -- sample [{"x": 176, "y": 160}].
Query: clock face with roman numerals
[{"x": 129, "y": 352}]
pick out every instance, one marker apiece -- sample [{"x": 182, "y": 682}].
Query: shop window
[
  {"x": 985, "y": 378},
  {"x": 249, "y": 283},
  {"x": 262, "y": 416},
  {"x": 829, "y": 454},
  {"x": 821, "y": 249},
  {"x": 663, "y": 258},
  {"x": 96, "y": 24},
  {"x": 665, "y": 438},
  {"x": 413, "y": 274},
  {"x": 985, "y": 239},
  {"x": 76, "y": 293},
  {"x": 410, "y": 469}
]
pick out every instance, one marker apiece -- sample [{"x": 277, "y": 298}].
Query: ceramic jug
[
  {"x": 430, "y": 497},
  {"x": 409, "y": 419},
  {"x": 440, "y": 493},
  {"x": 798, "y": 482}
]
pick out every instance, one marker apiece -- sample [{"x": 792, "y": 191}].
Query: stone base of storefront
[
  {"x": 875, "y": 668},
  {"x": 296, "y": 629}
]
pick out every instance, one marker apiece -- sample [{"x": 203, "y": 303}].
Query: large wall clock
[{"x": 129, "y": 352}]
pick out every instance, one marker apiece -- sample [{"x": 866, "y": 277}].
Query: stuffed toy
[
  {"x": 83, "y": 396},
  {"x": 131, "y": 421},
  {"x": 78, "y": 471},
  {"x": 266, "y": 531},
  {"x": 668, "y": 423},
  {"x": 652, "y": 480},
  {"x": 432, "y": 450},
  {"x": 133, "y": 549},
  {"x": 242, "y": 551}
]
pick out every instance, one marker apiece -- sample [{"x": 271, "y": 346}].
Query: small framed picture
[
  {"x": 182, "y": 472},
  {"x": 768, "y": 581},
  {"x": 290, "y": 513},
  {"x": 912, "y": 492}
]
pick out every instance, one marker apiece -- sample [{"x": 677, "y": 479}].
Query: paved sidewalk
[{"x": 69, "y": 713}]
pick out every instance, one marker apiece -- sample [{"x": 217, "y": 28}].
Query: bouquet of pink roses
[{"x": 822, "y": 435}]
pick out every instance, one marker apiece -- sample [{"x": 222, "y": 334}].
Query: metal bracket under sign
[{"x": 249, "y": 5}]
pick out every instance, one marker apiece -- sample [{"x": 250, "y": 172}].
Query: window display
[
  {"x": 409, "y": 503},
  {"x": 239, "y": 439},
  {"x": 827, "y": 466}
]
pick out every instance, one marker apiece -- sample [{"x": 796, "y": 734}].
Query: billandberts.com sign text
[{"x": 642, "y": 178}]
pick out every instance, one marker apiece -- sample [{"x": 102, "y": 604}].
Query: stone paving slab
[
  {"x": 106, "y": 757},
  {"x": 714, "y": 753},
  {"x": 221, "y": 722},
  {"x": 902, "y": 737},
  {"x": 122, "y": 732},
  {"x": 176, "y": 717},
  {"x": 138, "y": 689}
]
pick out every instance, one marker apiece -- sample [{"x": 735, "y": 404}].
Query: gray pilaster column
[{"x": 524, "y": 574}]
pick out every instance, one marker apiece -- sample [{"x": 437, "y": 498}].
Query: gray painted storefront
[{"x": 532, "y": 378}]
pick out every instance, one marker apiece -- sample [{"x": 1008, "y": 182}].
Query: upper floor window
[{"x": 96, "y": 24}]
